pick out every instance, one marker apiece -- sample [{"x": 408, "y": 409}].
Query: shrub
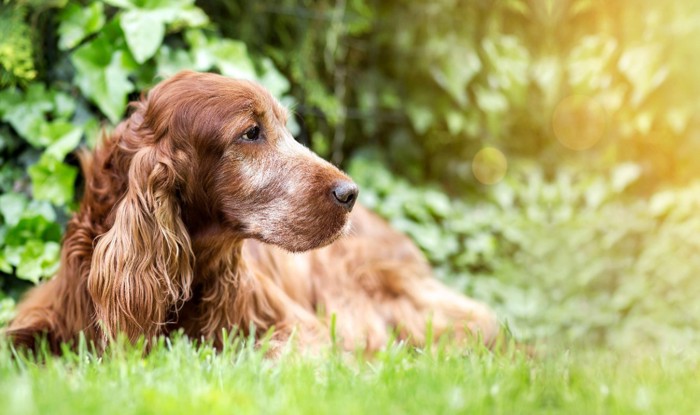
[
  {"x": 95, "y": 57},
  {"x": 566, "y": 260}
]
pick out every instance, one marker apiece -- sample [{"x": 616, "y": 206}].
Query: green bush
[
  {"x": 586, "y": 246},
  {"x": 569, "y": 260},
  {"x": 432, "y": 83},
  {"x": 96, "y": 56}
]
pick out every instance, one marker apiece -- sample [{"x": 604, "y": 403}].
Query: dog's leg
[
  {"x": 36, "y": 320},
  {"x": 245, "y": 297},
  {"x": 377, "y": 281},
  {"x": 427, "y": 303}
]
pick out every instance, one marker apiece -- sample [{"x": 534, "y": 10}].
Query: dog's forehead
[{"x": 259, "y": 102}]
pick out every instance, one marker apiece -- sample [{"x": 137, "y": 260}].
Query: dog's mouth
[
  {"x": 304, "y": 240},
  {"x": 300, "y": 235}
]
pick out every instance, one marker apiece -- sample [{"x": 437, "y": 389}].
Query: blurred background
[{"x": 544, "y": 154}]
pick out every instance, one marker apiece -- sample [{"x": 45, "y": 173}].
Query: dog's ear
[{"x": 142, "y": 267}]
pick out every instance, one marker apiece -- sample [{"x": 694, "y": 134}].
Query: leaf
[
  {"x": 588, "y": 61},
  {"x": 5, "y": 266},
  {"x": 7, "y": 308},
  {"x": 421, "y": 116},
  {"x": 12, "y": 205},
  {"x": 230, "y": 56},
  {"x": 124, "y": 4},
  {"x": 272, "y": 79},
  {"x": 65, "y": 139},
  {"x": 144, "y": 32},
  {"x": 41, "y": 208},
  {"x": 103, "y": 76},
  {"x": 170, "y": 61},
  {"x": 438, "y": 203},
  {"x": 624, "y": 175},
  {"x": 26, "y": 112},
  {"x": 60, "y": 136},
  {"x": 490, "y": 101},
  {"x": 662, "y": 203},
  {"x": 52, "y": 180},
  {"x": 453, "y": 75},
  {"x": 36, "y": 259},
  {"x": 79, "y": 22},
  {"x": 144, "y": 24},
  {"x": 32, "y": 225},
  {"x": 646, "y": 70},
  {"x": 64, "y": 105}
]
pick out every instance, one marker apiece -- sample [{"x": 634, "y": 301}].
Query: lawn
[{"x": 179, "y": 377}]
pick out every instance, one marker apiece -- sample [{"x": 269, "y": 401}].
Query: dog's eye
[{"x": 251, "y": 134}]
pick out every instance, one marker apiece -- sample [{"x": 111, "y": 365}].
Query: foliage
[
  {"x": 567, "y": 259},
  {"x": 588, "y": 238},
  {"x": 434, "y": 82},
  {"x": 16, "y": 48},
  {"x": 179, "y": 377},
  {"x": 96, "y": 56}
]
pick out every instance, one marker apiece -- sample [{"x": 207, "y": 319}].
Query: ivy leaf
[
  {"x": 63, "y": 137},
  {"x": 624, "y": 175},
  {"x": 53, "y": 180},
  {"x": 12, "y": 205},
  {"x": 170, "y": 61},
  {"x": 274, "y": 81},
  {"x": 229, "y": 56},
  {"x": 79, "y": 22},
  {"x": 60, "y": 136},
  {"x": 144, "y": 24},
  {"x": 143, "y": 31},
  {"x": 103, "y": 72},
  {"x": 32, "y": 246},
  {"x": 5, "y": 266},
  {"x": 438, "y": 203},
  {"x": 421, "y": 116},
  {"x": 26, "y": 112},
  {"x": 453, "y": 75},
  {"x": 33, "y": 224},
  {"x": 35, "y": 259},
  {"x": 64, "y": 105},
  {"x": 124, "y": 4}
]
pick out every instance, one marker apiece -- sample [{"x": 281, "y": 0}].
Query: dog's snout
[{"x": 345, "y": 194}]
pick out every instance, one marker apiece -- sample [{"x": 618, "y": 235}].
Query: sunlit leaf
[
  {"x": 144, "y": 31},
  {"x": 588, "y": 61},
  {"x": 12, "y": 205},
  {"x": 103, "y": 73},
  {"x": 230, "y": 56},
  {"x": 65, "y": 139},
  {"x": 624, "y": 175},
  {"x": 170, "y": 61},
  {"x": 35, "y": 259},
  {"x": 26, "y": 112},
  {"x": 421, "y": 117},
  {"x": 272, "y": 79},
  {"x": 454, "y": 75},
  {"x": 644, "y": 67},
  {"x": 79, "y": 22},
  {"x": 52, "y": 180}
]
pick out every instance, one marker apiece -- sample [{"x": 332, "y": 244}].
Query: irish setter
[{"x": 202, "y": 213}]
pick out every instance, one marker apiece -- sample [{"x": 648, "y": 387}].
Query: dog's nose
[{"x": 345, "y": 194}]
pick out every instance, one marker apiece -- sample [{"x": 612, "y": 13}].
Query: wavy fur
[{"x": 188, "y": 223}]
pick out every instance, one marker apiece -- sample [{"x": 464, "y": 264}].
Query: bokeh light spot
[
  {"x": 489, "y": 165},
  {"x": 579, "y": 122}
]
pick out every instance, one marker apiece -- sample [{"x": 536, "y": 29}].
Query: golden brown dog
[{"x": 201, "y": 212}]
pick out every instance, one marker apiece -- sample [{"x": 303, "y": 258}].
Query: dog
[{"x": 201, "y": 213}]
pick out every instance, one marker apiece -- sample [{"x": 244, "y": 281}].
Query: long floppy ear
[{"x": 142, "y": 267}]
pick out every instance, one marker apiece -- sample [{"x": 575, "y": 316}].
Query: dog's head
[
  {"x": 241, "y": 166},
  {"x": 204, "y": 152}
]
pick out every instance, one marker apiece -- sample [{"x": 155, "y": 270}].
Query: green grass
[{"x": 179, "y": 377}]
